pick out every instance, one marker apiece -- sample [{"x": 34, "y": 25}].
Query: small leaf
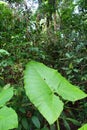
[
  {"x": 25, "y": 123},
  {"x": 66, "y": 124},
  {"x": 4, "y": 52},
  {"x": 75, "y": 122},
  {"x": 22, "y": 110},
  {"x": 71, "y": 66},
  {"x": 5, "y": 95},
  {"x": 36, "y": 122}
]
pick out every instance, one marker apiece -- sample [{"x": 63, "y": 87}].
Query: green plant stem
[{"x": 58, "y": 126}]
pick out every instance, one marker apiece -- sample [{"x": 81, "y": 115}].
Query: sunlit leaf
[
  {"x": 84, "y": 127},
  {"x": 8, "y": 118},
  {"x": 44, "y": 85},
  {"x": 5, "y": 95}
]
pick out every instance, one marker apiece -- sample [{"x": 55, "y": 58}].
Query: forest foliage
[{"x": 56, "y": 35}]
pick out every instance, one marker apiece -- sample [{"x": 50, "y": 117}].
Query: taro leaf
[
  {"x": 84, "y": 127},
  {"x": 41, "y": 94},
  {"x": 43, "y": 85},
  {"x": 8, "y": 118},
  {"x": 5, "y": 95}
]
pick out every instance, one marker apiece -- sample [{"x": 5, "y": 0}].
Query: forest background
[{"x": 55, "y": 34}]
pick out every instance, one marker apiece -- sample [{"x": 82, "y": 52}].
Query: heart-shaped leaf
[{"x": 44, "y": 85}]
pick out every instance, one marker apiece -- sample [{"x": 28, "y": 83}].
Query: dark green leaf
[
  {"x": 36, "y": 122},
  {"x": 75, "y": 122},
  {"x": 25, "y": 123}
]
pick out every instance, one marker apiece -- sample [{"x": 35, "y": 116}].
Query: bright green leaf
[
  {"x": 8, "y": 118},
  {"x": 41, "y": 94},
  {"x": 5, "y": 95},
  {"x": 84, "y": 127},
  {"x": 43, "y": 85}
]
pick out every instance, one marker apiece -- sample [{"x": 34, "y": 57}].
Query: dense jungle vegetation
[{"x": 52, "y": 32}]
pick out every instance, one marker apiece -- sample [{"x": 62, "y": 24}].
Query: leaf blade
[
  {"x": 8, "y": 118},
  {"x": 5, "y": 95},
  {"x": 49, "y": 105},
  {"x": 44, "y": 85}
]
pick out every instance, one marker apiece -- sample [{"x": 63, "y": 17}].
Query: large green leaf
[
  {"x": 8, "y": 118},
  {"x": 5, "y": 95},
  {"x": 84, "y": 127},
  {"x": 41, "y": 94},
  {"x": 43, "y": 85}
]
